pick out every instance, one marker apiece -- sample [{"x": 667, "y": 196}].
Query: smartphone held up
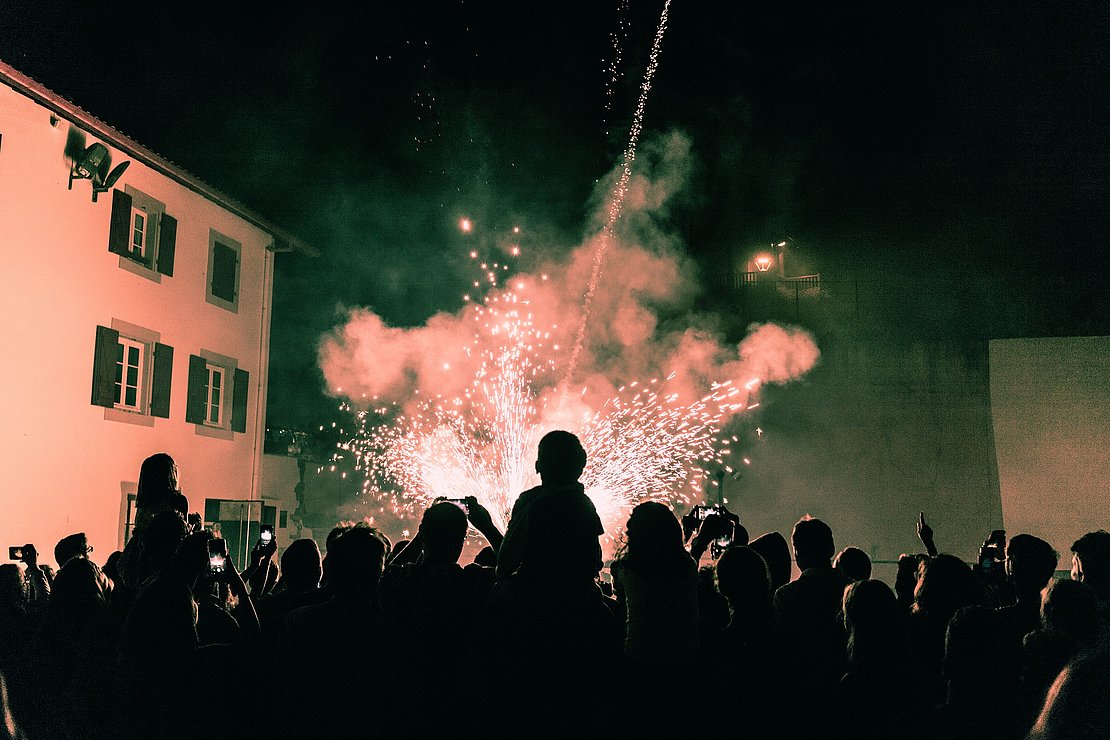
[{"x": 217, "y": 555}]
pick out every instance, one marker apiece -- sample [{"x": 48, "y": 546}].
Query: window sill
[
  {"x": 128, "y": 417},
  {"x": 140, "y": 269},
  {"x": 214, "y": 432},
  {"x": 232, "y": 306}
]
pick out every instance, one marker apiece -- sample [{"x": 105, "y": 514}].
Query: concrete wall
[{"x": 1051, "y": 401}]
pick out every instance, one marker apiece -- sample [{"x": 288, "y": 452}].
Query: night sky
[{"x": 944, "y": 143}]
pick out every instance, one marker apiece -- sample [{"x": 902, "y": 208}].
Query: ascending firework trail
[{"x": 616, "y": 202}]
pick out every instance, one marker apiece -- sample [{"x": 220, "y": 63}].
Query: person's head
[
  {"x": 653, "y": 540},
  {"x": 443, "y": 532},
  {"x": 162, "y": 622},
  {"x": 190, "y": 559},
  {"x": 776, "y": 553},
  {"x": 1069, "y": 607},
  {"x": 69, "y": 547},
  {"x": 743, "y": 578},
  {"x": 157, "y": 481},
  {"x": 1090, "y": 561},
  {"x": 160, "y": 540},
  {"x": 355, "y": 562},
  {"x": 813, "y": 543},
  {"x": 853, "y": 563},
  {"x": 560, "y": 458},
  {"x": 111, "y": 567},
  {"x": 79, "y": 587},
  {"x": 872, "y": 619},
  {"x": 1030, "y": 563},
  {"x": 944, "y": 585},
  {"x": 301, "y": 566}
]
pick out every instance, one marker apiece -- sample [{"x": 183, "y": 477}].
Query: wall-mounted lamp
[
  {"x": 763, "y": 262},
  {"x": 91, "y": 163}
]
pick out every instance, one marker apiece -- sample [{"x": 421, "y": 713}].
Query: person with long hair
[{"x": 658, "y": 581}]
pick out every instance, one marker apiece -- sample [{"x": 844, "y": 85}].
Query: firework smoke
[{"x": 456, "y": 407}]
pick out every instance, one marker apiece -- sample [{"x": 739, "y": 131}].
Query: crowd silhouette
[{"x": 538, "y": 635}]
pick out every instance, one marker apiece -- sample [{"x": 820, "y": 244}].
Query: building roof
[{"x": 284, "y": 241}]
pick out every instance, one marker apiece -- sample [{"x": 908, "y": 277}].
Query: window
[
  {"x": 138, "y": 232},
  {"x": 142, "y": 234},
  {"x": 224, "y": 256},
  {"x": 131, "y": 371},
  {"x": 130, "y": 380},
  {"x": 214, "y": 415},
  {"x": 217, "y": 396}
]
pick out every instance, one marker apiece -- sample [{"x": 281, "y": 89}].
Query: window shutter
[
  {"x": 119, "y": 234},
  {"x": 198, "y": 385},
  {"x": 104, "y": 367},
  {"x": 160, "y": 388},
  {"x": 239, "y": 389},
  {"x": 167, "y": 242}
]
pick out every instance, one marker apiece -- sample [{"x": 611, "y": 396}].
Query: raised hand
[{"x": 925, "y": 534}]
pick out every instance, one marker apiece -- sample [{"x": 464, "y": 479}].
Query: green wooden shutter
[
  {"x": 104, "y": 367},
  {"x": 197, "y": 394},
  {"x": 160, "y": 388},
  {"x": 119, "y": 234},
  {"x": 224, "y": 265},
  {"x": 239, "y": 389},
  {"x": 167, "y": 242}
]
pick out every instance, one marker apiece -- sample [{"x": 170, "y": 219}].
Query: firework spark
[{"x": 645, "y": 442}]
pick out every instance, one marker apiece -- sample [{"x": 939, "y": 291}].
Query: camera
[
  {"x": 265, "y": 534},
  {"x": 217, "y": 555},
  {"x": 15, "y": 553},
  {"x": 195, "y": 523}
]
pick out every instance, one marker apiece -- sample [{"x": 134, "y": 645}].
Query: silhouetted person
[
  {"x": 1090, "y": 564},
  {"x": 226, "y": 614},
  {"x": 1070, "y": 625},
  {"x": 806, "y": 617},
  {"x": 906, "y": 578},
  {"x": 775, "y": 551},
  {"x": 71, "y": 546},
  {"x": 436, "y": 601},
  {"x": 854, "y": 563},
  {"x": 871, "y": 689},
  {"x": 74, "y": 656},
  {"x": 299, "y": 585},
  {"x": 747, "y": 671},
  {"x": 157, "y": 492},
  {"x": 1030, "y": 565},
  {"x": 358, "y": 664},
  {"x": 945, "y": 584},
  {"x": 658, "y": 581},
  {"x": 1076, "y": 706},
  {"x": 982, "y": 683},
  {"x": 554, "y": 530},
  {"x": 548, "y": 637}
]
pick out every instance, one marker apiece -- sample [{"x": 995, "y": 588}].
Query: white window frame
[
  {"x": 220, "y": 405},
  {"x": 139, "y": 244},
  {"x": 142, "y": 375},
  {"x": 143, "y": 263}
]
